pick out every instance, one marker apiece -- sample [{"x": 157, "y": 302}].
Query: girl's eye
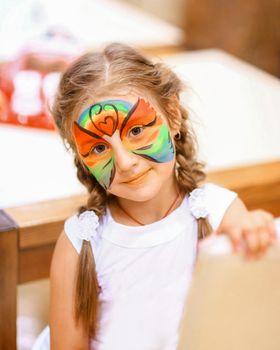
[
  {"x": 99, "y": 149},
  {"x": 137, "y": 130}
]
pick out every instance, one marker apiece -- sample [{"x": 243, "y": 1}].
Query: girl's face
[{"x": 127, "y": 145}]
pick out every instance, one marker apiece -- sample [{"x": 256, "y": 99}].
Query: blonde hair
[{"x": 117, "y": 67}]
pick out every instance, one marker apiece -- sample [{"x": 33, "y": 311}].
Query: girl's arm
[
  {"x": 65, "y": 334},
  {"x": 254, "y": 230}
]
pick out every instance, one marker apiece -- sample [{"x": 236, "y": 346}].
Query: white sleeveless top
[{"x": 144, "y": 273}]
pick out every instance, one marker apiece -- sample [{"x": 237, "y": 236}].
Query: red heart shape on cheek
[{"x": 108, "y": 125}]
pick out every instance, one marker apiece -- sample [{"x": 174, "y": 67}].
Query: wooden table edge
[{"x": 253, "y": 183}]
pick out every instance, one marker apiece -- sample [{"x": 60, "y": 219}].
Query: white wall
[{"x": 170, "y": 10}]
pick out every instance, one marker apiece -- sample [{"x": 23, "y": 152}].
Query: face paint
[
  {"x": 94, "y": 123},
  {"x": 142, "y": 131}
]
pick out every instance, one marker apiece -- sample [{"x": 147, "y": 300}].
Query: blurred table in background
[
  {"x": 234, "y": 109},
  {"x": 37, "y": 44},
  {"x": 93, "y": 23}
]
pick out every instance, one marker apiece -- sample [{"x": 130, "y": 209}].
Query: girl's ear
[{"x": 174, "y": 116}]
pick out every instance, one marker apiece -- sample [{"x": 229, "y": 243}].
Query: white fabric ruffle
[
  {"x": 88, "y": 223},
  {"x": 197, "y": 202}
]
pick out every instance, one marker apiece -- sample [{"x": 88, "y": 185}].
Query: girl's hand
[{"x": 251, "y": 231}]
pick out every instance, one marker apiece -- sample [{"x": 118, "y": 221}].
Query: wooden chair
[{"x": 27, "y": 239}]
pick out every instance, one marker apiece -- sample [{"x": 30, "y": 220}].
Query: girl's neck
[{"x": 148, "y": 211}]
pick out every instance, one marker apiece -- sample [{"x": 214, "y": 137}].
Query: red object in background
[{"x": 28, "y": 83}]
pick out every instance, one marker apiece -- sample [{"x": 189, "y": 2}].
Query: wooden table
[{"x": 37, "y": 195}]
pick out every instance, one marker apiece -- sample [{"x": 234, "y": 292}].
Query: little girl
[{"x": 123, "y": 265}]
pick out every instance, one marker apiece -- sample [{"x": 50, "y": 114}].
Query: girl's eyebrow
[
  {"x": 88, "y": 132},
  {"x": 152, "y": 122},
  {"x": 129, "y": 114}
]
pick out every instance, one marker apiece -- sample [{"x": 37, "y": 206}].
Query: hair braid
[
  {"x": 97, "y": 199},
  {"x": 189, "y": 171},
  {"x": 87, "y": 289}
]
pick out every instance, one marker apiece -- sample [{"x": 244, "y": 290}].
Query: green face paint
[{"x": 142, "y": 131}]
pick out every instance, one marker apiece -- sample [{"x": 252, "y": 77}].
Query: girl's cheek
[
  {"x": 148, "y": 138},
  {"x": 155, "y": 144},
  {"x": 95, "y": 160},
  {"x": 101, "y": 167}
]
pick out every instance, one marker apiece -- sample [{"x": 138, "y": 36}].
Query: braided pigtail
[
  {"x": 189, "y": 171},
  {"x": 97, "y": 199},
  {"x": 203, "y": 227},
  {"x": 87, "y": 288}
]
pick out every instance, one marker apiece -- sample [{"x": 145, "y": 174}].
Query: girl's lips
[{"x": 137, "y": 180}]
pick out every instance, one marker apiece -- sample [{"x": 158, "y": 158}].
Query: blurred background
[
  {"x": 40, "y": 38},
  {"x": 249, "y": 30}
]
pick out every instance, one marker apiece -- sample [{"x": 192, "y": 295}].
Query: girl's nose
[{"x": 124, "y": 159}]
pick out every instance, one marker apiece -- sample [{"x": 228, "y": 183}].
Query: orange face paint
[{"x": 141, "y": 129}]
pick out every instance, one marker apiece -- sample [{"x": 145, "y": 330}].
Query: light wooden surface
[
  {"x": 257, "y": 185},
  {"x": 233, "y": 302},
  {"x": 39, "y": 227},
  {"x": 46, "y": 217}
]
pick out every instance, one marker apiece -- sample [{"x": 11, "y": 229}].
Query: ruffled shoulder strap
[
  {"x": 210, "y": 201},
  {"x": 82, "y": 227}
]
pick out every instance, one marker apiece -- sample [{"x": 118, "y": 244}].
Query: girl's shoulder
[{"x": 211, "y": 200}]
